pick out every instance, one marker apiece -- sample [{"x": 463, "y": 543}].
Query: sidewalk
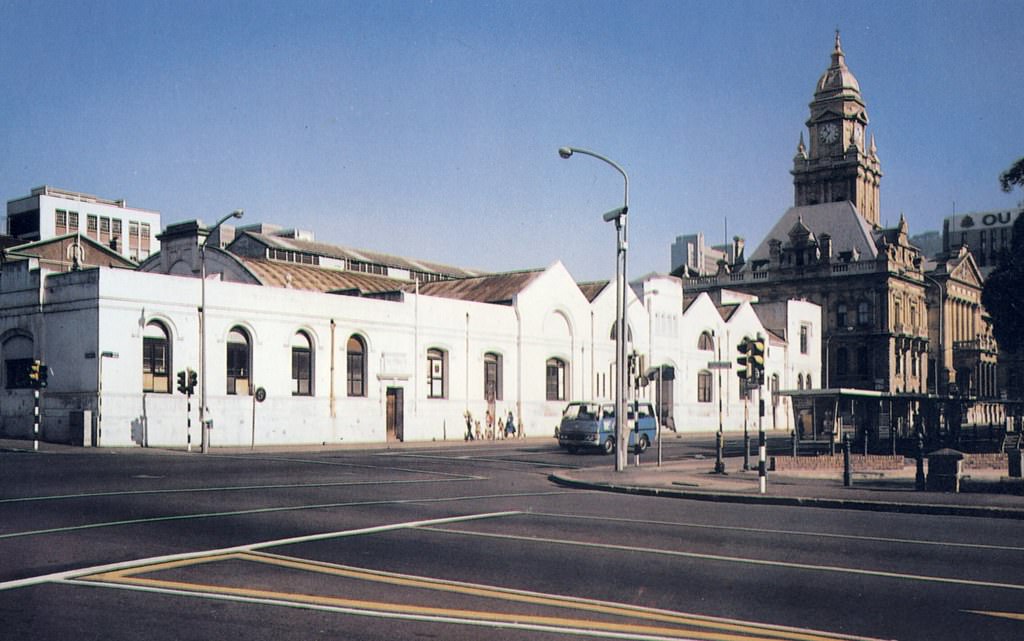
[{"x": 984, "y": 493}]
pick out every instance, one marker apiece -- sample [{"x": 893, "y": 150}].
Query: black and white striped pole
[
  {"x": 35, "y": 419},
  {"x": 762, "y": 447}
]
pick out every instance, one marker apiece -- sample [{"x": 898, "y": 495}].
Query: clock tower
[{"x": 839, "y": 165}]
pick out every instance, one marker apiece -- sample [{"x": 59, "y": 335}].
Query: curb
[{"x": 798, "y": 501}]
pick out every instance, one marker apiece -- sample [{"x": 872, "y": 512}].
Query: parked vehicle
[{"x": 591, "y": 425}]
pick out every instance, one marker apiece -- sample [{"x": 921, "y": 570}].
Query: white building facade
[{"x": 403, "y": 364}]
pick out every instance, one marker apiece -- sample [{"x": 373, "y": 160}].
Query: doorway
[{"x": 395, "y": 414}]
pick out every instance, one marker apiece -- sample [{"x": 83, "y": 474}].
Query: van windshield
[{"x": 581, "y": 411}]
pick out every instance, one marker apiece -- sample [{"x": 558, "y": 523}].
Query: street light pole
[
  {"x": 622, "y": 236},
  {"x": 205, "y": 435}
]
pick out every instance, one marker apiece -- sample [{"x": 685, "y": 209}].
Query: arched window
[
  {"x": 437, "y": 373},
  {"x": 556, "y": 379},
  {"x": 355, "y": 357},
  {"x": 774, "y": 388},
  {"x": 239, "y": 362},
  {"x": 706, "y": 342},
  {"x": 629, "y": 332},
  {"x": 800, "y": 381},
  {"x": 492, "y": 377},
  {"x": 156, "y": 359},
  {"x": 705, "y": 393},
  {"x": 18, "y": 357},
  {"x": 302, "y": 365},
  {"x": 807, "y": 381}
]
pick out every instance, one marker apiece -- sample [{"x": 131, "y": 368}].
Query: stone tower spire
[{"x": 838, "y": 166}]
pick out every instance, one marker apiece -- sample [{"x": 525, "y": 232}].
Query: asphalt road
[{"x": 465, "y": 541}]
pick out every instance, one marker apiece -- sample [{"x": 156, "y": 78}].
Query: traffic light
[
  {"x": 756, "y": 357},
  {"x": 33, "y": 372},
  {"x": 182, "y": 385},
  {"x": 44, "y": 374},
  {"x": 745, "y": 369},
  {"x": 192, "y": 380}
]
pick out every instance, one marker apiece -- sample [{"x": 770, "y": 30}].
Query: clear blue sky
[{"x": 431, "y": 129}]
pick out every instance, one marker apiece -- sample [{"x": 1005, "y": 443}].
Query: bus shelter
[{"x": 826, "y": 415}]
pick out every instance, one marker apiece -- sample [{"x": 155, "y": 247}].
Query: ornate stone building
[
  {"x": 830, "y": 249},
  {"x": 892, "y": 321}
]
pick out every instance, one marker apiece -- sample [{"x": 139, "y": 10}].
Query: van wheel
[
  {"x": 644, "y": 443},
  {"x": 609, "y": 446}
]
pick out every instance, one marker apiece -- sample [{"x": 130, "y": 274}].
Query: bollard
[
  {"x": 847, "y": 475},
  {"x": 762, "y": 461},
  {"x": 719, "y": 445},
  {"x": 746, "y": 452},
  {"x": 919, "y": 480},
  {"x": 792, "y": 439}
]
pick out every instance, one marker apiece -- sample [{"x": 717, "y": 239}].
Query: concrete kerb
[{"x": 934, "y": 509}]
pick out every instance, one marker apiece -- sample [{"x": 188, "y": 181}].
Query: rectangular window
[
  {"x": 436, "y": 374},
  {"x": 72, "y": 221},
  {"x": 492, "y": 377},
  {"x": 92, "y": 226},
  {"x": 61, "y": 222},
  {"x": 155, "y": 377},
  {"x": 805, "y": 332},
  {"x": 133, "y": 238},
  {"x": 301, "y": 372},
  {"x": 555, "y": 380},
  {"x": 17, "y": 373},
  {"x": 238, "y": 368},
  {"x": 105, "y": 230},
  {"x": 144, "y": 240},
  {"x": 704, "y": 389}
]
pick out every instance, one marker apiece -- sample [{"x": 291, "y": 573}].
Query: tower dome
[{"x": 838, "y": 80}]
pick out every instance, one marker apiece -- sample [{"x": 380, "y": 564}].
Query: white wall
[{"x": 87, "y": 313}]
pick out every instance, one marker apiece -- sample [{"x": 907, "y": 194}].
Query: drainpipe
[{"x": 334, "y": 412}]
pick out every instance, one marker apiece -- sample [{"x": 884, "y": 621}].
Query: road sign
[{"x": 719, "y": 364}]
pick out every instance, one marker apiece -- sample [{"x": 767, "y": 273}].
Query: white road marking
[
  {"x": 736, "y": 559},
  {"x": 817, "y": 535},
  {"x": 111, "y": 567},
  {"x": 267, "y": 510}
]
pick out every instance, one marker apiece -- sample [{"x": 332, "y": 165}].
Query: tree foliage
[
  {"x": 1003, "y": 295},
  {"x": 1014, "y": 176}
]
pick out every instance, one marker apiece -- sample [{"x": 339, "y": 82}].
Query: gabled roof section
[
  {"x": 361, "y": 255},
  {"x": 272, "y": 273},
  {"x": 840, "y": 220},
  {"x": 57, "y": 253},
  {"x": 497, "y": 289},
  {"x": 591, "y": 290}
]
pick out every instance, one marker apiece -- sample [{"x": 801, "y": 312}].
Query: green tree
[
  {"x": 1003, "y": 295},
  {"x": 1014, "y": 176}
]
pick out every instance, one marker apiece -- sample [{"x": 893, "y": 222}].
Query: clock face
[{"x": 829, "y": 133}]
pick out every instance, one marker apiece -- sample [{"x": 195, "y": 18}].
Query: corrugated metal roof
[
  {"x": 348, "y": 253},
  {"x": 274, "y": 273},
  {"x": 494, "y": 288},
  {"x": 593, "y": 289}
]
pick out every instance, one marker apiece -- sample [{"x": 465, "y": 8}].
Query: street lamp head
[
  {"x": 237, "y": 213},
  {"x": 565, "y": 152}
]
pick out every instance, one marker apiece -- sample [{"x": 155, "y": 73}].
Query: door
[
  {"x": 666, "y": 398},
  {"x": 395, "y": 417}
]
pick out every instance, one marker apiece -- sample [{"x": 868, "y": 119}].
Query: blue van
[{"x": 591, "y": 425}]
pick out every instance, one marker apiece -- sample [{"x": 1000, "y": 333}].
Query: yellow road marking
[
  {"x": 730, "y": 630},
  {"x": 1017, "y": 616}
]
